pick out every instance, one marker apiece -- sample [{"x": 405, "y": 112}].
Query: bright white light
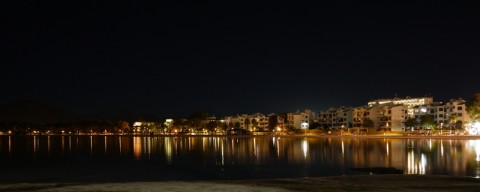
[
  {"x": 304, "y": 125},
  {"x": 473, "y": 128},
  {"x": 423, "y": 110},
  {"x": 137, "y": 124}
]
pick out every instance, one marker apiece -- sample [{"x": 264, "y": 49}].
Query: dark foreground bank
[{"x": 339, "y": 183}]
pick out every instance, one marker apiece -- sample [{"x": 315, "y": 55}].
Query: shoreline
[
  {"x": 389, "y": 136},
  {"x": 332, "y": 183}
]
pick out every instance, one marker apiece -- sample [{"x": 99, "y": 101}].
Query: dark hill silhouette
[
  {"x": 41, "y": 112},
  {"x": 120, "y": 115},
  {"x": 35, "y": 112}
]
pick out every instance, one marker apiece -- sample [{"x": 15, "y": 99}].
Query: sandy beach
[{"x": 338, "y": 183}]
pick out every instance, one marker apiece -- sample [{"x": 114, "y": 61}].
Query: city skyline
[{"x": 174, "y": 58}]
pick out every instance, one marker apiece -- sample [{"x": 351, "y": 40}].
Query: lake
[{"x": 100, "y": 158}]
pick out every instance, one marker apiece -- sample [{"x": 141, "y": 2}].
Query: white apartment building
[
  {"x": 408, "y": 101},
  {"x": 260, "y": 120},
  {"x": 385, "y": 116},
  {"x": 238, "y": 119},
  {"x": 444, "y": 113},
  {"x": 336, "y": 117},
  {"x": 253, "y": 122},
  {"x": 388, "y": 116},
  {"x": 359, "y": 114},
  {"x": 300, "y": 119}
]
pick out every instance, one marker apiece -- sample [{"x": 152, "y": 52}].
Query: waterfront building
[
  {"x": 336, "y": 117},
  {"x": 253, "y": 122},
  {"x": 359, "y": 114},
  {"x": 444, "y": 114},
  {"x": 300, "y": 119},
  {"x": 258, "y": 122},
  {"x": 388, "y": 116},
  {"x": 143, "y": 127},
  {"x": 408, "y": 101},
  {"x": 237, "y": 121}
]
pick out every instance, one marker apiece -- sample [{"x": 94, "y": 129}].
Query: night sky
[{"x": 230, "y": 57}]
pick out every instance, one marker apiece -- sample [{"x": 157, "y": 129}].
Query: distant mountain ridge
[
  {"x": 42, "y": 112},
  {"x": 35, "y": 112}
]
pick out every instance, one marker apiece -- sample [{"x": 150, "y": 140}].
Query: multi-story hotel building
[
  {"x": 253, "y": 122},
  {"x": 359, "y": 114},
  {"x": 300, "y": 119},
  {"x": 238, "y": 119},
  {"x": 408, "y": 101},
  {"x": 385, "y": 116},
  {"x": 336, "y": 117},
  {"x": 388, "y": 116},
  {"x": 444, "y": 114}
]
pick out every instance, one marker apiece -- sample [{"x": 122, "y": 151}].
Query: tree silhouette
[
  {"x": 410, "y": 122},
  {"x": 247, "y": 123},
  {"x": 427, "y": 120},
  {"x": 272, "y": 122},
  {"x": 473, "y": 107},
  {"x": 254, "y": 123},
  {"x": 368, "y": 123}
]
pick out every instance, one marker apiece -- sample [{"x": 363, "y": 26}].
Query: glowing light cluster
[{"x": 473, "y": 128}]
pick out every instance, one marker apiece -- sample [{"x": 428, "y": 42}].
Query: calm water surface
[{"x": 127, "y": 158}]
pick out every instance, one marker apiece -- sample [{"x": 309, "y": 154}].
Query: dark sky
[{"x": 228, "y": 57}]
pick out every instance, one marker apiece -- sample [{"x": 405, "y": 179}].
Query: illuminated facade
[
  {"x": 142, "y": 127},
  {"x": 336, "y": 117},
  {"x": 384, "y": 116},
  {"x": 444, "y": 113},
  {"x": 260, "y": 119},
  {"x": 358, "y": 116},
  {"x": 237, "y": 120},
  {"x": 388, "y": 116},
  {"x": 253, "y": 122},
  {"x": 408, "y": 101},
  {"x": 300, "y": 119}
]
